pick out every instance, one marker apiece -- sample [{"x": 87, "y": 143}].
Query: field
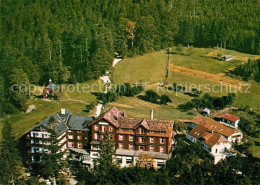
[
  {"x": 74, "y": 101},
  {"x": 150, "y": 69}
]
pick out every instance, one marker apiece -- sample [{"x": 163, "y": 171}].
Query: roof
[
  {"x": 198, "y": 131},
  {"x": 206, "y": 136},
  {"x": 230, "y": 117},
  {"x": 120, "y": 120},
  {"x": 112, "y": 115},
  {"x": 135, "y": 153},
  {"x": 79, "y": 151},
  {"x": 63, "y": 122},
  {"x": 79, "y": 122},
  {"x": 59, "y": 125},
  {"x": 206, "y": 110},
  {"x": 213, "y": 125},
  {"x": 51, "y": 86}
]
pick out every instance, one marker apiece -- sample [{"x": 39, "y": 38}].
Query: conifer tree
[{"x": 10, "y": 162}]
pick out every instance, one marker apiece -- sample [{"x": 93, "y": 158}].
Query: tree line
[
  {"x": 74, "y": 41},
  {"x": 247, "y": 71}
]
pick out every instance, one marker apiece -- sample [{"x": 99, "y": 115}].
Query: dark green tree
[
  {"x": 51, "y": 162},
  {"x": 10, "y": 162},
  {"x": 106, "y": 164}
]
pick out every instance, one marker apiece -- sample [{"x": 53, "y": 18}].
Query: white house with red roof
[
  {"x": 213, "y": 136},
  {"x": 215, "y": 144},
  {"x": 230, "y": 120}
]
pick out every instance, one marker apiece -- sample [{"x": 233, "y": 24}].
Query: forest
[
  {"x": 248, "y": 71},
  {"x": 73, "y": 41}
]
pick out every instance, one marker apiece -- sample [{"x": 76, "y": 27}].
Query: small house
[
  {"x": 205, "y": 112},
  {"x": 230, "y": 120},
  {"x": 49, "y": 90},
  {"x": 226, "y": 58}
]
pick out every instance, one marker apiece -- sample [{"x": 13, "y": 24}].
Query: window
[
  {"x": 130, "y": 138},
  {"x": 110, "y": 129},
  {"x": 151, "y": 139},
  {"x": 161, "y": 141},
  {"x": 70, "y": 144},
  {"x": 119, "y": 160},
  {"x": 79, "y": 145},
  {"x": 102, "y": 128},
  {"x": 161, "y": 149},
  {"x": 120, "y": 145},
  {"x": 129, "y": 161},
  {"x": 101, "y": 136},
  {"x": 151, "y": 148},
  {"x": 151, "y": 131},
  {"x": 110, "y": 136},
  {"x": 120, "y": 137},
  {"x": 79, "y": 137},
  {"x": 141, "y": 131},
  {"x": 141, "y": 148},
  {"x": 79, "y": 132},
  {"x": 70, "y": 137},
  {"x": 216, "y": 150},
  {"x": 95, "y": 127},
  {"x": 130, "y": 147},
  {"x": 95, "y": 136},
  {"x": 141, "y": 140}
]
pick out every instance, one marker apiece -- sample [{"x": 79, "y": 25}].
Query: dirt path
[
  {"x": 208, "y": 76},
  {"x": 69, "y": 99}
]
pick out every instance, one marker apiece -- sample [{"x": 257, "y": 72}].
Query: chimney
[
  {"x": 62, "y": 111},
  {"x": 151, "y": 115}
]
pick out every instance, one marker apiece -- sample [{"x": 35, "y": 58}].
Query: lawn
[
  {"x": 149, "y": 67},
  {"x": 152, "y": 67},
  {"x": 135, "y": 107},
  {"x": 73, "y": 101},
  {"x": 256, "y": 151}
]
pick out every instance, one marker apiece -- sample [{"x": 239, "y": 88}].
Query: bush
[{"x": 164, "y": 99}]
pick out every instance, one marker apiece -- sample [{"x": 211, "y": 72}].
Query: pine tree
[
  {"x": 51, "y": 161},
  {"x": 10, "y": 162},
  {"x": 106, "y": 163}
]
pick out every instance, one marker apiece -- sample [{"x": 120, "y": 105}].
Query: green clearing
[
  {"x": 74, "y": 101},
  {"x": 256, "y": 151},
  {"x": 150, "y": 68},
  {"x": 135, "y": 107}
]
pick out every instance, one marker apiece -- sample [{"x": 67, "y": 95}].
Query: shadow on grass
[
  {"x": 144, "y": 98},
  {"x": 191, "y": 94}
]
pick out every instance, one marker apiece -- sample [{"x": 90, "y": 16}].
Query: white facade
[
  {"x": 230, "y": 123},
  {"x": 218, "y": 151}
]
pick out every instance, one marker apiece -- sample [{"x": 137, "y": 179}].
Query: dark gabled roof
[
  {"x": 59, "y": 125},
  {"x": 63, "y": 122},
  {"x": 79, "y": 122},
  {"x": 52, "y": 86}
]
